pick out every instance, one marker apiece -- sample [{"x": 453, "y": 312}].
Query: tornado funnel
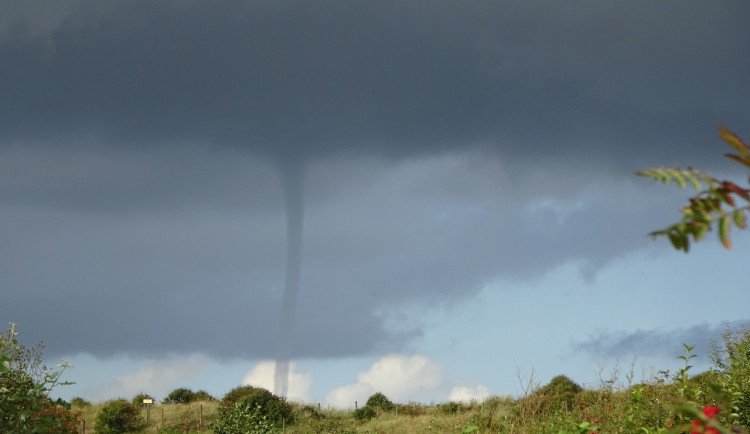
[{"x": 293, "y": 187}]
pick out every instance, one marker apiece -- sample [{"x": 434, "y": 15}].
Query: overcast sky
[{"x": 467, "y": 177}]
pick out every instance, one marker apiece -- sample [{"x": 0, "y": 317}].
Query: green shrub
[
  {"x": 364, "y": 413},
  {"x": 237, "y": 394},
  {"x": 380, "y": 401},
  {"x": 202, "y": 395},
  {"x": 25, "y": 385},
  {"x": 180, "y": 396},
  {"x": 274, "y": 408},
  {"x": 450, "y": 407},
  {"x": 79, "y": 402},
  {"x": 57, "y": 420},
  {"x": 118, "y": 416},
  {"x": 561, "y": 385},
  {"x": 559, "y": 393},
  {"x": 243, "y": 417},
  {"x": 731, "y": 359}
]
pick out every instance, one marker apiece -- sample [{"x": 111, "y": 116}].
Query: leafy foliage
[
  {"x": 246, "y": 416},
  {"x": 237, "y": 394},
  {"x": 717, "y": 203},
  {"x": 118, "y": 416},
  {"x": 274, "y": 408},
  {"x": 179, "y": 396},
  {"x": 202, "y": 395},
  {"x": 731, "y": 359},
  {"x": 58, "y": 420},
  {"x": 25, "y": 384},
  {"x": 79, "y": 402},
  {"x": 450, "y": 407},
  {"x": 364, "y": 413},
  {"x": 380, "y": 401}
]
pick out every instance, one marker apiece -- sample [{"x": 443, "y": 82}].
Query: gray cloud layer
[
  {"x": 446, "y": 144},
  {"x": 293, "y": 79},
  {"x": 659, "y": 342}
]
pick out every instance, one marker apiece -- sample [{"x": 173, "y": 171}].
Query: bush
[
  {"x": 731, "y": 359},
  {"x": 25, "y": 385},
  {"x": 364, "y": 413},
  {"x": 180, "y": 396},
  {"x": 380, "y": 401},
  {"x": 118, "y": 416},
  {"x": 237, "y": 394},
  {"x": 274, "y": 408},
  {"x": 202, "y": 395},
  {"x": 561, "y": 385},
  {"x": 243, "y": 417},
  {"x": 57, "y": 420},
  {"x": 557, "y": 397},
  {"x": 450, "y": 407},
  {"x": 79, "y": 402}
]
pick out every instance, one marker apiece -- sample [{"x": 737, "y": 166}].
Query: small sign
[{"x": 148, "y": 401}]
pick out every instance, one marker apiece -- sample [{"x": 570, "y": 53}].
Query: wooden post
[
  {"x": 355, "y": 405},
  {"x": 200, "y": 423}
]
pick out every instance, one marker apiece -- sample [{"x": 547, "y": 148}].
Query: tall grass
[{"x": 164, "y": 418}]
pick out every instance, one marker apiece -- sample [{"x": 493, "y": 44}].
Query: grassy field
[
  {"x": 715, "y": 402},
  {"x": 560, "y": 406},
  {"x": 184, "y": 416}
]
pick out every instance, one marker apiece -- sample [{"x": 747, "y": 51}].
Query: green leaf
[
  {"x": 679, "y": 179},
  {"x": 699, "y": 230},
  {"x": 696, "y": 184},
  {"x": 739, "y": 218},
  {"x": 679, "y": 241},
  {"x": 724, "y": 226}
]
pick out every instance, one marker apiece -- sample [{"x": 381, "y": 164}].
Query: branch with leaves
[{"x": 717, "y": 201}]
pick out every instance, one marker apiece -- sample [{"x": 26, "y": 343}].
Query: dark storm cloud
[
  {"x": 307, "y": 79},
  {"x": 657, "y": 342},
  {"x": 447, "y": 143}
]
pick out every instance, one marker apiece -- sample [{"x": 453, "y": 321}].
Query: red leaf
[
  {"x": 744, "y": 161},
  {"x": 739, "y": 191},
  {"x": 732, "y": 140}
]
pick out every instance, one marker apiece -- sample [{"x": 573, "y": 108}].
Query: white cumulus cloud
[
  {"x": 401, "y": 378},
  {"x": 262, "y": 375},
  {"x": 157, "y": 378},
  {"x": 468, "y": 394}
]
